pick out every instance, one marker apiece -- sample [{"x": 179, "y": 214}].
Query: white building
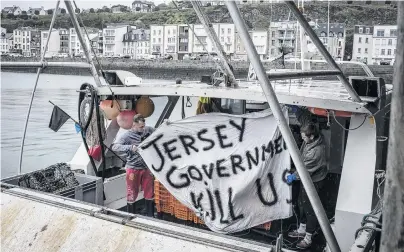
[
  {"x": 4, "y": 41},
  {"x": 54, "y": 42},
  {"x": 225, "y": 32},
  {"x": 384, "y": 43},
  {"x": 260, "y": 40},
  {"x": 281, "y": 34},
  {"x": 137, "y": 43},
  {"x": 15, "y": 10},
  {"x": 142, "y": 6},
  {"x": 157, "y": 40},
  {"x": 22, "y": 39},
  {"x": 75, "y": 48},
  {"x": 170, "y": 39},
  {"x": 37, "y": 11},
  {"x": 113, "y": 39},
  {"x": 363, "y": 44}
]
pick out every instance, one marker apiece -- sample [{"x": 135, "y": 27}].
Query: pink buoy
[{"x": 125, "y": 119}]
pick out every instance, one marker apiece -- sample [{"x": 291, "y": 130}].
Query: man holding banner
[
  {"x": 314, "y": 157},
  {"x": 137, "y": 173}
]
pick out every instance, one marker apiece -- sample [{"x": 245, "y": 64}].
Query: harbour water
[{"x": 43, "y": 147}]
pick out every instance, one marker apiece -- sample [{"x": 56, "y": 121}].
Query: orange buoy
[
  {"x": 125, "y": 119},
  {"x": 145, "y": 106},
  {"x": 111, "y": 108},
  {"x": 324, "y": 112}
]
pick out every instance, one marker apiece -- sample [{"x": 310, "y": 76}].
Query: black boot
[
  {"x": 149, "y": 208},
  {"x": 131, "y": 208}
]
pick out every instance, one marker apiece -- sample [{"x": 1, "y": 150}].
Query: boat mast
[
  {"x": 38, "y": 72},
  {"x": 83, "y": 43},
  {"x": 282, "y": 122},
  {"x": 393, "y": 205},
  {"x": 225, "y": 65}
]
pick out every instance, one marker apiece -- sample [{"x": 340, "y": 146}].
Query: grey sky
[{"x": 82, "y": 4}]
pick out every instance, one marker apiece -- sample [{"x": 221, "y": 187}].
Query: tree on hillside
[
  {"x": 99, "y": 11},
  {"x": 77, "y": 11},
  {"x": 208, "y": 4},
  {"x": 92, "y": 10},
  {"x": 156, "y": 8},
  {"x": 107, "y": 10},
  {"x": 50, "y": 12},
  {"x": 36, "y": 12},
  {"x": 35, "y": 17},
  {"x": 63, "y": 11},
  {"x": 162, "y": 6}
]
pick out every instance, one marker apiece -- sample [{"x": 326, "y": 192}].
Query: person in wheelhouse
[
  {"x": 137, "y": 172},
  {"x": 313, "y": 151}
]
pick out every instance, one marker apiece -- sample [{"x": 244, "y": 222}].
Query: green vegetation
[{"x": 256, "y": 16}]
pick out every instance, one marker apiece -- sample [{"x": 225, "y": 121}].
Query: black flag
[{"x": 58, "y": 118}]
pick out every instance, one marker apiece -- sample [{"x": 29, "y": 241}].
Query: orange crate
[
  {"x": 180, "y": 211},
  {"x": 163, "y": 199},
  {"x": 198, "y": 220}
]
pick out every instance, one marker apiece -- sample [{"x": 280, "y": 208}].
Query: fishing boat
[{"x": 352, "y": 114}]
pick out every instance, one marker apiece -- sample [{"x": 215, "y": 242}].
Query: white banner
[{"x": 231, "y": 170}]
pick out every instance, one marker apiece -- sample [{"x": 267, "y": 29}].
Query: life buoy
[{"x": 324, "y": 112}]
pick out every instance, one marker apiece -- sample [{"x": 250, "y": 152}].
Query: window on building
[
  {"x": 383, "y": 51},
  {"x": 323, "y": 34},
  {"x": 159, "y": 40},
  {"x": 390, "y": 42},
  {"x": 377, "y": 42},
  {"x": 395, "y": 50},
  {"x": 367, "y": 30},
  {"x": 222, "y": 39},
  {"x": 393, "y": 33},
  {"x": 273, "y": 42},
  {"x": 168, "y": 31},
  {"x": 359, "y": 50},
  {"x": 222, "y": 30},
  {"x": 124, "y": 50},
  {"x": 360, "y": 30},
  {"x": 159, "y": 32},
  {"x": 360, "y": 40},
  {"x": 377, "y": 51},
  {"x": 383, "y": 42},
  {"x": 339, "y": 43},
  {"x": 367, "y": 40},
  {"x": 273, "y": 34},
  {"x": 380, "y": 33},
  {"x": 228, "y": 30},
  {"x": 388, "y": 51},
  {"x": 154, "y": 32},
  {"x": 366, "y": 50}
]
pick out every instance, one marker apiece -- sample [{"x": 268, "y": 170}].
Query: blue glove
[
  {"x": 290, "y": 178},
  {"x": 293, "y": 108}
]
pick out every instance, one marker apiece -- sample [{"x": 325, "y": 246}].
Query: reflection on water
[{"x": 43, "y": 147}]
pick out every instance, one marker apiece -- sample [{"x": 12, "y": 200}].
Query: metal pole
[
  {"x": 86, "y": 50},
  {"x": 36, "y": 84},
  {"x": 393, "y": 212},
  {"x": 283, "y": 125},
  {"x": 216, "y": 43},
  {"x": 305, "y": 25}
]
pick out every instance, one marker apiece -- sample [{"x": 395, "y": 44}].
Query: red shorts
[{"x": 135, "y": 179}]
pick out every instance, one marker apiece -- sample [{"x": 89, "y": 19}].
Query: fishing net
[
  {"x": 53, "y": 179},
  {"x": 92, "y": 136}
]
